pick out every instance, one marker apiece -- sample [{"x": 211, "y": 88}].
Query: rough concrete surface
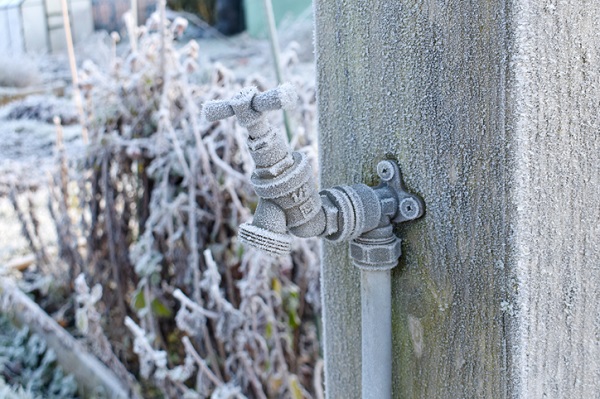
[
  {"x": 556, "y": 95},
  {"x": 491, "y": 110}
]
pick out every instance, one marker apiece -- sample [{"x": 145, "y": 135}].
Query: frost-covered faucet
[
  {"x": 362, "y": 215},
  {"x": 290, "y": 203},
  {"x": 283, "y": 180}
]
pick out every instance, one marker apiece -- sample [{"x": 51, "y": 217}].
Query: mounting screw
[
  {"x": 385, "y": 170},
  {"x": 410, "y": 208}
]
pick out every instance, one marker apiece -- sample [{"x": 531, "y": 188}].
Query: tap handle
[
  {"x": 282, "y": 97},
  {"x": 218, "y": 109}
]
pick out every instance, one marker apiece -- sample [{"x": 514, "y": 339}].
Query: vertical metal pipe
[{"x": 376, "y": 316}]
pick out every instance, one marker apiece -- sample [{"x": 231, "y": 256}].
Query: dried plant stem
[
  {"x": 134, "y": 16},
  {"x": 83, "y": 222},
  {"x": 210, "y": 145},
  {"x": 180, "y": 296},
  {"x": 73, "y": 66},
  {"x": 318, "y": 379},
  {"x": 60, "y": 150},
  {"x": 273, "y": 39},
  {"x": 109, "y": 218},
  {"x": 209, "y": 345},
  {"x": 193, "y": 231},
  {"x": 193, "y": 110},
  {"x": 68, "y": 241},
  {"x": 132, "y": 25},
  {"x": 280, "y": 353},
  {"x": 251, "y": 375},
  {"x": 275, "y": 51},
  {"x": 162, "y": 5},
  {"x": 148, "y": 314},
  {"x": 29, "y": 230},
  {"x": 21, "y": 263},
  {"x": 189, "y": 349},
  {"x": 97, "y": 340},
  {"x": 35, "y": 223}
]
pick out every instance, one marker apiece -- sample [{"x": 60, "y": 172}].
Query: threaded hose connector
[{"x": 265, "y": 240}]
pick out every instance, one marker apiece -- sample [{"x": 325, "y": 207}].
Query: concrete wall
[
  {"x": 491, "y": 109},
  {"x": 556, "y": 95}
]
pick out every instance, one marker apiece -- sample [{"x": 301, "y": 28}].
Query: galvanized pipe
[{"x": 376, "y": 325}]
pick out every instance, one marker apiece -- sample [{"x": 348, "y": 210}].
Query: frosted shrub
[
  {"x": 161, "y": 193},
  {"x": 30, "y": 367},
  {"x": 18, "y": 72},
  {"x": 8, "y": 392}
]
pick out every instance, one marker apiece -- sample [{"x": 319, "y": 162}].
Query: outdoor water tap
[
  {"x": 288, "y": 198},
  {"x": 283, "y": 180}
]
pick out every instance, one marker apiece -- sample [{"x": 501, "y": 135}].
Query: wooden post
[{"x": 492, "y": 111}]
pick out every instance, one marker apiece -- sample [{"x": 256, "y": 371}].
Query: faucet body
[{"x": 289, "y": 202}]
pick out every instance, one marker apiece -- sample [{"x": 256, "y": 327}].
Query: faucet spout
[{"x": 268, "y": 230}]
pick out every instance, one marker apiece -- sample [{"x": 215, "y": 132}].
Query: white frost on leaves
[{"x": 86, "y": 300}]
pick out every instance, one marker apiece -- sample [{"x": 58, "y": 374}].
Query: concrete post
[{"x": 492, "y": 110}]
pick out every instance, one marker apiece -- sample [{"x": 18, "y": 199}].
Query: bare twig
[
  {"x": 110, "y": 231},
  {"x": 73, "y": 66},
  {"x": 21, "y": 263},
  {"x": 29, "y": 231},
  {"x": 276, "y": 53},
  {"x": 189, "y": 348},
  {"x": 318, "y": 379}
]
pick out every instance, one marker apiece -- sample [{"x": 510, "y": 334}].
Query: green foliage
[{"x": 28, "y": 369}]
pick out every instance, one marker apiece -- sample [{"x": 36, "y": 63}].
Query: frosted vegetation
[
  {"x": 146, "y": 214},
  {"x": 28, "y": 364}
]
